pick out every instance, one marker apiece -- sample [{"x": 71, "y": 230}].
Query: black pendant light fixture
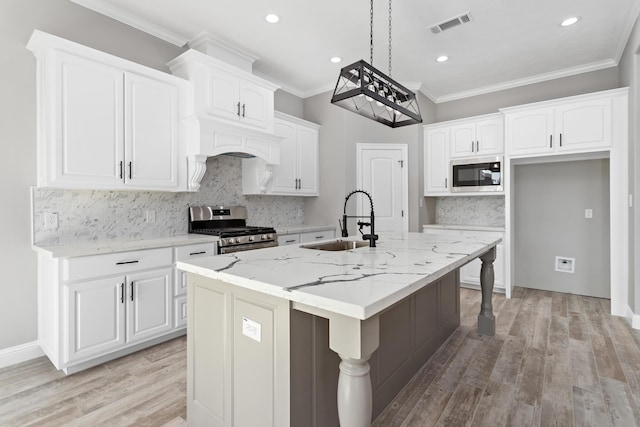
[{"x": 367, "y": 91}]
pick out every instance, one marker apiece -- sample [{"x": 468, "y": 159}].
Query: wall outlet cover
[
  {"x": 565, "y": 264},
  {"x": 50, "y": 221},
  {"x": 251, "y": 329}
]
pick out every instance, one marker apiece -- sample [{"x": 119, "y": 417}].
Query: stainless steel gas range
[{"x": 230, "y": 224}]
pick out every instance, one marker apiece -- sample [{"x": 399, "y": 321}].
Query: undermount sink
[{"x": 339, "y": 245}]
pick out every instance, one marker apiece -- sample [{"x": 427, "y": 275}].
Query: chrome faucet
[{"x": 371, "y": 237}]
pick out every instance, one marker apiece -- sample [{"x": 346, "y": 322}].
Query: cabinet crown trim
[{"x": 559, "y": 101}]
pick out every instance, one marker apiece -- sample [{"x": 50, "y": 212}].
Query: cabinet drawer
[
  {"x": 116, "y": 263},
  {"x": 184, "y": 253},
  {"x": 288, "y": 239},
  {"x": 313, "y": 236}
]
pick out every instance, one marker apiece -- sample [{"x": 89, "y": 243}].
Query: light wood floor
[{"x": 556, "y": 359}]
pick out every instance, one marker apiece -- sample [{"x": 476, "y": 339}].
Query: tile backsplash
[
  {"x": 470, "y": 210},
  {"x": 89, "y": 215}
]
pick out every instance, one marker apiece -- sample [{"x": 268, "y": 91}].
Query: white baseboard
[
  {"x": 20, "y": 353},
  {"x": 634, "y": 319}
]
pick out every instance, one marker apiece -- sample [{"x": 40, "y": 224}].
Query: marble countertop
[
  {"x": 463, "y": 227},
  {"x": 357, "y": 283},
  {"x": 303, "y": 228},
  {"x": 70, "y": 250}
]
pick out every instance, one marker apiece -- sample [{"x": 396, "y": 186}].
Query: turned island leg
[
  {"x": 486, "y": 319},
  {"x": 355, "y": 341}
]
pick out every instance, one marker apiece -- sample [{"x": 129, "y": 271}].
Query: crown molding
[
  {"x": 566, "y": 72},
  {"x": 133, "y": 21},
  {"x": 627, "y": 28}
]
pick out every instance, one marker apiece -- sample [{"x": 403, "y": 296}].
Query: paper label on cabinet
[{"x": 251, "y": 329}]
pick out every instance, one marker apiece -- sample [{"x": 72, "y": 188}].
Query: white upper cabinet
[
  {"x": 436, "y": 161},
  {"x": 477, "y": 137},
  {"x": 297, "y": 173},
  {"x": 84, "y": 140},
  {"x": 151, "y": 132},
  {"x": 226, "y": 92},
  {"x": 577, "y": 124},
  {"x": 103, "y": 122}
]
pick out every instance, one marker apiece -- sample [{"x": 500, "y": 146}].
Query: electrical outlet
[
  {"x": 50, "y": 221},
  {"x": 251, "y": 329},
  {"x": 588, "y": 213},
  {"x": 150, "y": 215}
]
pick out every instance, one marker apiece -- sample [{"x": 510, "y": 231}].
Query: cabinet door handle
[
  {"x": 238, "y": 105},
  {"x": 319, "y": 237},
  {"x": 445, "y": 183},
  {"x": 121, "y": 169},
  {"x": 473, "y": 144},
  {"x": 477, "y": 146},
  {"x": 243, "y": 109},
  {"x": 550, "y": 141},
  {"x": 131, "y": 286},
  {"x": 127, "y": 262},
  {"x": 198, "y": 253},
  {"x": 290, "y": 241},
  {"x": 130, "y": 168},
  {"x": 560, "y": 140},
  {"x": 122, "y": 293}
]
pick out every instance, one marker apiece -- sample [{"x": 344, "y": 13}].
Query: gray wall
[
  {"x": 288, "y": 104},
  {"x": 549, "y": 221},
  {"x": 18, "y": 19},
  {"x": 630, "y": 76},
  {"x": 567, "y": 86},
  {"x": 341, "y": 131}
]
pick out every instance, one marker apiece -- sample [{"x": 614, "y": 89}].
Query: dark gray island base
[{"x": 411, "y": 331}]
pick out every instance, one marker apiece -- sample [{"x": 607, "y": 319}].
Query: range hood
[
  {"x": 212, "y": 126},
  {"x": 207, "y": 136}
]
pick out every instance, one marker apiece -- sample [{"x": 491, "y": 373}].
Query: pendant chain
[
  {"x": 371, "y": 36},
  {"x": 389, "y": 38}
]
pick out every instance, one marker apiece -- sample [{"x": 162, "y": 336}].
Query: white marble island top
[{"x": 358, "y": 283}]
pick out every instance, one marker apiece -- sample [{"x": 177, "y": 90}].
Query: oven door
[
  {"x": 480, "y": 174},
  {"x": 246, "y": 247}
]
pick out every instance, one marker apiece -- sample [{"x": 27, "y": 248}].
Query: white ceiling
[{"x": 509, "y": 43}]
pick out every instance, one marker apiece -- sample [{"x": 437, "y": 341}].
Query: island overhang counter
[{"x": 240, "y": 308}]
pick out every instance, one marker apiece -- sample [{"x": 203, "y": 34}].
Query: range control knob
[
  {"x": 223, "y": 241},
  {"x": 251, "y": 238},
  {"x": 231, "y": 241},
  {"x": 263, "y": 237}
]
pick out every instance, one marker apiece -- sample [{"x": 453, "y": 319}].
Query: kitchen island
[{"x": 243, "y": 332}]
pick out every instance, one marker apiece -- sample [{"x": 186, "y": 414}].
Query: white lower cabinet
[
  {"x": 95, "y": 308},
  {"x": 185, "y": 253},
  {"x": 106, "y": 314},
  {"x": 470, "y": 273}
]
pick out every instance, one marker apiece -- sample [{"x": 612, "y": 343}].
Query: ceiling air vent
[{"x": 451, "y": 23}]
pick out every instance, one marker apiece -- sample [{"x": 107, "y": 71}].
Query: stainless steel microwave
[{"x": 477, "y": 174}]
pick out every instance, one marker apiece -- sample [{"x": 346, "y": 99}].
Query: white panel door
[
  {"x": 88, "y": 126},
  {"x": 151, "y": 132},
  {"x": 584, "y": 125},
  {"x": 436, "y": 161},
  {"x": 149, "y": 304},
  {"x": 285, "y": 174},
  {"x": 489, "y": 137},
  {"x": 254, "y": 105},
  {"x": 530, "y": 132},
  {"x": 96, "y": 317},
  {"x": 307, "y": 161},
  {"x": 224, "y": 95},
  {"x": 383, "y": 174},
  {"x": 463, "y": 140}
]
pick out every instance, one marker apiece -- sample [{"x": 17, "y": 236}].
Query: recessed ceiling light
[
  {"x": 442, "y": 58},
  {"x": 569, "y": 21},
  {"x": 272, "y": 18},
  {"x": 336, "y": 59}
]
